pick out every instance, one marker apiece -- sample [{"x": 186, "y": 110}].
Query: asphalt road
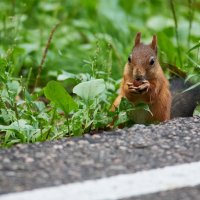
[
  {"x": 26, "y": 167},
  {"x": 179, "y": 194}
]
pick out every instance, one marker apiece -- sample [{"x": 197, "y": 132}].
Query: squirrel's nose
[{"x": 139, "y": 78}]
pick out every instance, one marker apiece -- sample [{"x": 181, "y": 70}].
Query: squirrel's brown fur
[{"x": 144, "y": 81}]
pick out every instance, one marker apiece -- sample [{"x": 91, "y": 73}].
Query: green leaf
[
  {"x": 193, "y": 61},
  {"x": 90, "y": 89},
  {"x": 28, "y": 96},
  {"x": 11, "y": 142},
  {"x": 39, "y": 105},
  {"x": 122, "y": 118},
  {"x": 125, "y": 104},
  {"x": 20, "y": 124},
  {"x": 143, "y": 106},
  {"x": 189, "y": 77},
  {"x": 56, "y": 93},
  {"x": 14, "y": 88},
  {"x": 65, "y": 75}
]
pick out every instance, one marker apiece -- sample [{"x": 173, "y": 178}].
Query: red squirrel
[{"x": 144, "y": 82}]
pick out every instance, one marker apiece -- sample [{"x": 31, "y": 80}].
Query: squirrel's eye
[
  {"x": 129, "y": 58},
  {"x": 152, "y": 60}
]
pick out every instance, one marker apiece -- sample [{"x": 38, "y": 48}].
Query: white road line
[{"x": 120, "y": 186}]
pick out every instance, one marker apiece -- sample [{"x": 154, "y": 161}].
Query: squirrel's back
[{"x": 183, "y": 103}]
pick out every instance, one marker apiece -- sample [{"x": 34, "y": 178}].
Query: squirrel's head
[{"x": 143, "y": 59}]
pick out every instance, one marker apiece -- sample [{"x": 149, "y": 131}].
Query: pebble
[
  {"x": 83, "y": 142},
  {"x": 123, "y": 148},
  {"x": 70, "y": 143},
  {"x": 58, "y": 147},
  {"x": 187, "y": 138},
  {"x": 29, "y": 160},
  {"x": 96, "y": 136},
  {"x": 10, "y": 173},
  {"x": 6, "y": 160},
  {"x": 39, "y": 154}
]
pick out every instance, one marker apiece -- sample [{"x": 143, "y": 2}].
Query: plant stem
[
  {"x": 176, "y": 30},
  {"x": 44, "y": 55},
  {"x": 68, "y": 125},
  {"x": 52, "y": 121},
  {"x": 16, "y": 111},
  {"x": 109, "y": 60}
]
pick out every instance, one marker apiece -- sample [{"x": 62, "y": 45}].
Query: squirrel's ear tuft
[
  {"x": 137, "y": 39},
  {"x": 154, "y": 43}
]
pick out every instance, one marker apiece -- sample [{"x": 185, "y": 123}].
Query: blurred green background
[{"x": 96, "y": 34}]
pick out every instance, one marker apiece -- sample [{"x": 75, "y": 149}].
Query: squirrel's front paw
[
  {"x": 144, "y": 88},
  {"x": 141, "y": 89},
  {"x": 132, "y": 88}
]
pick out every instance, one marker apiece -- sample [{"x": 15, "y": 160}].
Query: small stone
[
  {"x": 87, "y": 135},
  {"x": 98, "y": 166},
  {"x": 21, "y": 146},
  {"x": 6, "y": 160},
  {"x": 187, "y": 138},
  {"x": 117, "y": 168},
  {"x": 140, "y": 144},
  {"x": 87, "y": 163},
  {"x": 83, "y": 142},
  {"x": 177, "y": 146},
  {"x": 123, "y": 148},
  {"x": 165, "y": 146},
  {"x": 70, "y": 143},
  {"x": 174, "y": 133},
  {"x": 29, "y": 160},
  {"x": 10, "y": 173},
  {"x": 96, "y": 136},
  {"x": 58, "y": 147},
  {"x": 93, "y": 145},
  {"x": 39, "y": 154}
]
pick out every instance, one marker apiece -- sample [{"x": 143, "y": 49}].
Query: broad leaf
[
  {"x": 17, "y": 126},
  {"x": 14, "y": 88},
  {"x": 90, "y": 89},
  {"x": 55, "y": 92},
  {"x": 125, "y": 105}
]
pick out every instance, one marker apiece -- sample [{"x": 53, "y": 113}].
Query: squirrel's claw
[
  {"x": 132, "y": 88},
  {"x": 144, "y": 88}
]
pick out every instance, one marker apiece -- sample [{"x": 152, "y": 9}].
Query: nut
[{"x": 137, "y": 83}]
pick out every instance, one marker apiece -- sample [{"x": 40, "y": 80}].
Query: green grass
[{"x": 92, "y": 42}]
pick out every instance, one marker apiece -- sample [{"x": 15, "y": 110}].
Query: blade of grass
[
  {"x": 192, "y": 87},
  {"x": 194, "y": 47},
  {"x": 195, "y": 63}
]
